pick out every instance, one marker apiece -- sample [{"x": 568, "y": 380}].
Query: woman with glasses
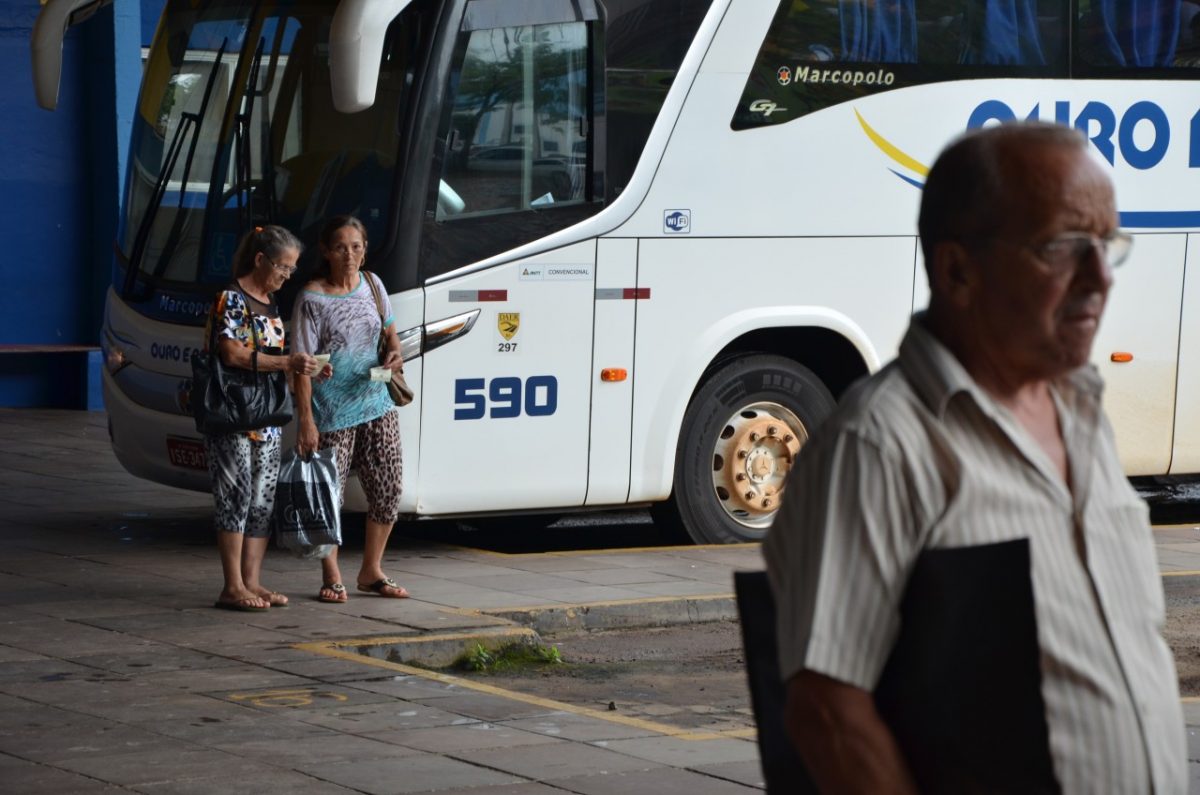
[
  {"x": 244, "y": 465},
  {"x": 343, "y": 312}
]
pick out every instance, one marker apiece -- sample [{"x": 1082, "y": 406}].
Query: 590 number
[{"x": 503, "y": 398}]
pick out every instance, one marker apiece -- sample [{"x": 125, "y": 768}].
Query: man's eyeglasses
[
  {"x": 1062, "y": 254},
  {"x": 286, "y": 270}
]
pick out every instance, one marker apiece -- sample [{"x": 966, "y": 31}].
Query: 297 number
[{"x": 503, "y": 398}]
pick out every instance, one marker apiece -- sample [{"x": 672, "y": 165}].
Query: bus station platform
[{"x": 117, "y": 675}]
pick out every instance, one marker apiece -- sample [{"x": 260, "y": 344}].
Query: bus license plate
[{"x": 187, "y": 453}]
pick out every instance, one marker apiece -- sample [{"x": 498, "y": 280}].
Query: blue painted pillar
[{"x": 61, "y": 183}]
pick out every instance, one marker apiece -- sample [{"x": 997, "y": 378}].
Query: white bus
[{"x": 638, "y": 248}]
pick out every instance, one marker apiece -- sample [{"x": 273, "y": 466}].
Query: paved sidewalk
[{"x": 117, "y": 675}]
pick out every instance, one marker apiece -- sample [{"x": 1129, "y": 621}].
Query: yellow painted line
[
  {"x": 1190, "y": 699},
  {"x": 1180, "y": 573},
  {"x": 332, "y": 649},
  {"x": 891, "y": 150}
]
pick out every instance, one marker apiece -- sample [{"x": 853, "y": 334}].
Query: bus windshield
[{"x": 236, "y": 128}]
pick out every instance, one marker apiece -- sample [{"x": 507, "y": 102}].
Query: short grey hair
[{"x": 968, "y": 183}]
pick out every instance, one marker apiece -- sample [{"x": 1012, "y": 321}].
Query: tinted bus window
[{"x": 818, "y": 54}]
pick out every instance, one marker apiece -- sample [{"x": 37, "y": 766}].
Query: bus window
[
  {"x": 520, "y": 121},
  {"x": 644, "y": 43},
  {"x": 517, "y": 156},
  {"x": 1134, "y": 33},
  {"x": 236, "y": 127},
  {"x": 819, "y": 54}
]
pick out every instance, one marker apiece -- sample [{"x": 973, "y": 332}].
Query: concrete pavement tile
[
  {"x": 680, "y": 587},
  {"x": 426, "y": 617},
  {"x": 77, "y": 609},
  {"x": 566, "y": 760},
  {"x": 217, "y": 636},
  {"x": 392, "y": 717},
  {"x": 31, "y": 778},
  {"x": 328, "y": 669},
  {"x": 748, "y": 772},
  {"x": 524, "y": 582},
  {"x": 660, "y": 781},
  {"x": 37, "y": 591},
  {"x": 153, "y": 767},
  {"x": 571, "y": 726},
  {"x": 265, "y": 653},
  {"x": 701, "y": 572},
  {"x": 62, "y": 639},
  {"x": 267, "y": 780},
  {"x": 451, "y": 569},
  {"x": 1191, "y": 714},
  {"x": 629, "y": 560},
  {"x": 479, "y": 598},
  {"x": 583, "y": 594},
  {"x": 164, "y": 706},
  {"x": 456, "y": 739},
  {"x": 687, "y": 753},
  {"x": 217, "y": 682},
  {"x": 327, "y": 624},
  {"x": 22, "y": 716},
  {"x": 213, "y": 732},
  {"x": 563, "y": 564},
  {"x": 408, "y": 687},
  {"x": 315, "y": 747},
  {"x": 617, "y": 576},
  {"x": 405, "y": 774},
  {"x": 748, "y": 555},
  {"x": 85, "y": 737},
  {"x": 307, "y": 696},
  {"x": 36, "y": 667},
  {"x": 491, "y": 708},
  {"x": 528, "y": 788},
  {"x": 149, "y": 657}
]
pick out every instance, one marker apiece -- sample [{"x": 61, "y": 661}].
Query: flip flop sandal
[
  {"x": 338, "y": 589},
  {"x": 277, "y": 600},
  {"x": 239, "y": 606},
  {"x": 378, "y": 586}
]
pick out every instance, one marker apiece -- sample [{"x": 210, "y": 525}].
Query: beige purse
[{"x": 398, "y": 388}]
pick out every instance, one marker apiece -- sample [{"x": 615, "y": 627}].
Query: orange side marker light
[
  {"x": 1121, "y": 357},
  {"x": 613, "y": 374}
]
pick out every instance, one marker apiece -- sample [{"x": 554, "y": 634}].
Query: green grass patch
[{"x": 480, "y": 659}]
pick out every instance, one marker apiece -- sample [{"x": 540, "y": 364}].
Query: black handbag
[
  {"x": 399, "y": 390},
  {"x": 231, "y": 399}
]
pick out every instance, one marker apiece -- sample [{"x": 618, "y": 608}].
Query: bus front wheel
[{"x": 739, "y": 439}]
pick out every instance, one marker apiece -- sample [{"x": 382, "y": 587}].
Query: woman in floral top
[{"x": 244, "y": 466}]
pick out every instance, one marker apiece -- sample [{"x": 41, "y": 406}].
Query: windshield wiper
[
  {"x": 243, "y": 164},
  {"x": 188, "y": 123}
]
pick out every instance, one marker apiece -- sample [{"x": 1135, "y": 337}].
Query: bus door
[
  {"x": 504, "y": 415},
  {"x": 1136, "y": 351},
  {"x": 612, "y": 372}
]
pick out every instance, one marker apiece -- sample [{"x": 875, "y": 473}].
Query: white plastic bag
[{"x": 307, "y": 520}]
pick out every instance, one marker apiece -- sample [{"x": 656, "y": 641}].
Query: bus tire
[{"x": 738, "y": 440}]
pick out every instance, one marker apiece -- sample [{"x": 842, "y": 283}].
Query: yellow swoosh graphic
[{"x": 891, "y": 150}]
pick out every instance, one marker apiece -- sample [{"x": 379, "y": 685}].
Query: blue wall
[{"x": 60, "y": 189}]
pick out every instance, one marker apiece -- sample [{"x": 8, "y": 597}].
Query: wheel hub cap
[{"x": 751, "y": 460}]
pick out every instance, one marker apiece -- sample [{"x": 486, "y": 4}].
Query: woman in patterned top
[
  {"x": 244, "y": 466},
  {"x": 337, "y": 314}
]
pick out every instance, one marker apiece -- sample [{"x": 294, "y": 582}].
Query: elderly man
[{"x": 966, "y": 583}]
